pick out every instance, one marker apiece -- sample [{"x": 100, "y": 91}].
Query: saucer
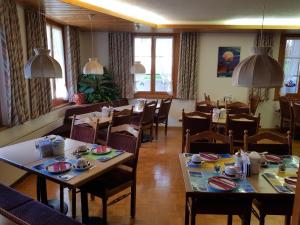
[{"x": 232, "y": 177}]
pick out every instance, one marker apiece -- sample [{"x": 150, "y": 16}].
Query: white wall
[{"x": 100, "y": 47}]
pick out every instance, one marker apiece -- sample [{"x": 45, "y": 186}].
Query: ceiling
[{"x": 173, "y": 15}]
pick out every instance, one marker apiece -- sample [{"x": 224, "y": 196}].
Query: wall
[
  {"x": 100, "y": 47},
  {"x": 217, "y": 88}
]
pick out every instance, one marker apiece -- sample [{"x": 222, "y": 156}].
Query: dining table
[
  {"x": 26, "y": 156},
  {"x": 203, "y": 199}
]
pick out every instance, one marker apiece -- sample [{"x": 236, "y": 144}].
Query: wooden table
[
  {"x": 262, "y": 187},
  {"x": 25, "y": 155},
  {"x": 216, "y": 121}
]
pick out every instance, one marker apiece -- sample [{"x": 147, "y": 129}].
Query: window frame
[
  {"x": 152, "y": 93},
  {"x": 58, "y": 101},
  {"x": 281, "y": 57}
]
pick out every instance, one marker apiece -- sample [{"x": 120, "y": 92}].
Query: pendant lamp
[
  {"x": 92, "y": 66},
  {"x": 259, "y": 70},
  {"x": 138, "y": 68},
  {"x": 42, "y": 65}
]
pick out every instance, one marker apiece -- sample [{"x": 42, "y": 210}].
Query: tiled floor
[{"x": 160, "y": 189}]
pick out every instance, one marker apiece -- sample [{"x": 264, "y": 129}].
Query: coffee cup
[
  {"x": 231, "y": 170},
  {"x": 196, "y": 158}
]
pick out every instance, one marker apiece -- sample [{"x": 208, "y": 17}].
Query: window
[
  {"x": 156, "y": 53},
  {"x": 290, "y": 61},
  {"x": 56, "y": 45}
]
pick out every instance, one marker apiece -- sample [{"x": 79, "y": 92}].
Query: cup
[
  {"x": 231, "y": 170},
  {"x": 196, "y": 158},
  {"x": 58, "y": 146}
]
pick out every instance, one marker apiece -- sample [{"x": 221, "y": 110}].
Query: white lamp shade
[
  {"x": 42, "y": 65},
  {"x": 93, "y": 67},
  {"x": 138, "y": 68},
  {"x": 258, "y": 71}
]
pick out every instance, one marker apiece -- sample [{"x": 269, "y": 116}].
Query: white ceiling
[{"x": 230, "y": 12}]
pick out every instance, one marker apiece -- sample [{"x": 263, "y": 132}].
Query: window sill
[
  {"x": 61, "y": 106},
  {"x": 58, "y": 102},
  {"x": 149, "y": 95}
]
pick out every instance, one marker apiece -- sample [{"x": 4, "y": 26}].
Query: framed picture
[{"x": 228, "y": 59}]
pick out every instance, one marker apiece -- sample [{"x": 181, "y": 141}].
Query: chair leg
[
  {"x": 166, "y": 127},
  {"x": 73, "y": 202},
  {"x": 104, "y": 210},
  {"x": 287, "y": 220},
  {"x": 193, "y": 218},
  {"x": 151, "y": 132},
  {"x": 262, "y": 219},
  {"x": 133, "y": 200},
  {"x": 229, "y": 219},
  {"x": 187, "y": 214},
  {"x": 84, "y": 208},
  {"x": 156, "y": 130}
]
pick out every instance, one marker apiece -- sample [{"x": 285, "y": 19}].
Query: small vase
[{"x": 79, "y": 98}]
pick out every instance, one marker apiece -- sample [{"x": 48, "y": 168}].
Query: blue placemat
[
  {"x": 199, "y": 180},
  {"x": 62, "y": 176}
]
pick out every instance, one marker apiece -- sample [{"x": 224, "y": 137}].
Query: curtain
[
  {"x": 72, "y": 53},
  {"x": 188, "y": 63},
  {"x": 17, "y": 107},
  {"x": 39, "y": 88},
  {"x": 266, "y": 40},
  {"x": 120, "y": 61}
]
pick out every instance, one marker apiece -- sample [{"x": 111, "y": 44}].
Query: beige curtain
[
  {"x": 267, "y": 40},
  {"x": 17, "y": 107},
  {"x": 188, "y": 63},
  {"x": 120, "y": 61},
  {"x": 39, "y": 88},
  {"x": 72, "y": 55}
]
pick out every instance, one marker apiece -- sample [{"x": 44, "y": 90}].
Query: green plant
[{"x": 98, "y": 88}]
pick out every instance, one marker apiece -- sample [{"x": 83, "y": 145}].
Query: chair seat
[
  {"x": 109, "y": 183},
  {"x": 160, "y": 119}
]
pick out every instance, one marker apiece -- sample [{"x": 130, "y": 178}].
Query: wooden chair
[
  {"x": 127, "y": 138},
  {"x": 123, "y": 102},
  {"x": 203, "y": 107},
  {"x": 296, "y": 116},
  {"x": 86, "y": 133},
  {"x": 268, "y": 142},
  {"x": 286, "y": 114},
  {"x": 254, "y": 101},
  {"x": 145, "y": 119},
  {"x": 238, "y": 108},
  {"x": 209, "y": 141},
  {"x": 195, "y": 122},
  {"x": 273, "y": 204},
  {"x": 240, "y": 122},
  {"x": 162, "y": 115},
  {"x": 207, "y": 98}
]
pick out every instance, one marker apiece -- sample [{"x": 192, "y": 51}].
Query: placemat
[
  {"x": 103, "y": 158},
  {"x": 62, "y": 176},
  {"x": 224, "y": 160},
  {"x": 199, "y": 180},
  {"x": 277, "y": 181},
  {"x": 289, "y": 161}
]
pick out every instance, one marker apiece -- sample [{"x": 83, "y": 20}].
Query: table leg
[
  {"x": 84, "y": 208},
  {"x": 38, "y": 189},
  {"x": 187, "y": 213},
  {"x": 43, "y": 190}
]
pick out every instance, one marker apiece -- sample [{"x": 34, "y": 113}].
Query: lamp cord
[
  {"x": 92, "y": 34},
  {"x": 262, "y": 24}
]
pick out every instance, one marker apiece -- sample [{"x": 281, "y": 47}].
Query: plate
[
  {"x": 235, "y": 177},
  {"x": 273, "y": 159},
  {"x": 101, "y": 150},
  {"x": 59, "y": 167},
  {"x": 82, "y": 169},
  {"x": 209, "y": 157},
  {"x": 291, "y": 182},
  {"x": 222, "y": 184}
]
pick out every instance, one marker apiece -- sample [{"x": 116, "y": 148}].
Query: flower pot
[{"x": 79, "y": 98}]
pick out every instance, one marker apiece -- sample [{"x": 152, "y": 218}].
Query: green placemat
[{"x": 114, "y": 153}]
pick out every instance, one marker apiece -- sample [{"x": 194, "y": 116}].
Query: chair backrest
[
  {"x": 285, "y": 107},
  {"x": 195, "y": 122},
  {"x": 238, "y": 108},
  {"x": 78, "y": 110},
  {"x": 123, "y": 101},
  {"x": 296, "y": 112},
  {"x": 268, "y": 142},
  {"x": 148, "y": 113},
  {"x": 254, "y": 101},
  {"x": 203, "y": 107},
  {"x": 121, "y": 117},
  {"x": 209, "y": 141},
  {"x": 207, "y": 98},
  {"x": 84, "y": 132},
  {"x": 240, "y": 122},
  {"x": 164, "y": 108},
  {"x": 115, "y": 103},
  {"x": 125, "y": 137}
]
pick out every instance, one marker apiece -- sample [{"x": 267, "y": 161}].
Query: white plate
[{"x": 82, "y": 169}]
